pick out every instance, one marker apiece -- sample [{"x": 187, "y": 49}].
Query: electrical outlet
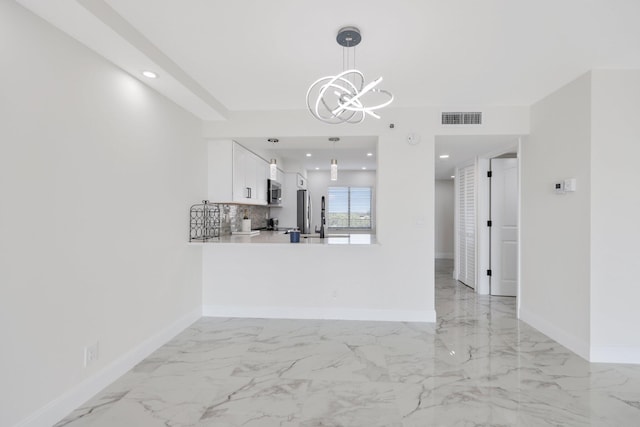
[
  {"x": 335, "y": 294},
  {"x": 90, "y": 354}
]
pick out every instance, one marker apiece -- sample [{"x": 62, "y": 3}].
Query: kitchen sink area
[
  {"x": 267, "y": 237},
  {"x": 317, "y": 236}
]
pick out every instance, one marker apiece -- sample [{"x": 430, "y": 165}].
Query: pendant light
[
  {"x": 334, "y": 170},
  {"x": 273, "y": 164},
  {"x": 334, "y": 161}
]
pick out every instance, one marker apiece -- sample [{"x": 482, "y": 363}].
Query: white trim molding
[
  {"x": 615, "y": 354},
  {"x": 60, "y": 407},
  {"x": 329, "y": 313},
  {"x": 578, "y": 346}
]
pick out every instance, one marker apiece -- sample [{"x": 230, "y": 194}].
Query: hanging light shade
[
  {"x": 273, "y": 170},
  {"x": 334, "y": 169},
  {"x": 343, "y": 98}
]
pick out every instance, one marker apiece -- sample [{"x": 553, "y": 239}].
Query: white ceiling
[
  {"x": 464, "y": 149},
  {"x": 217, "y": 56},
  {"x": 262, "y": 55},
  {"x": 350, "y": 151}
]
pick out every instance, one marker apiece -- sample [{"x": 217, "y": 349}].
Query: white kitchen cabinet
[
  {"x": 262, "y": 174},
  {"x": 279, "y": 174},
  {"x": 245, "y": 175},
  {"x": 241, "y": 191},
  {"x": 236, "y": 175}
]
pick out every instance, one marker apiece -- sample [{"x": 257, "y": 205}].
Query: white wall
[
  {"x": 392, "y": 280},
  {"x": 444, "y": 218},
  {"x": 615, "y": 209},
  {"x": 555, "y": 230},
  {"x": 318, "y": 183},
  {"x": 97, "y": 173}
]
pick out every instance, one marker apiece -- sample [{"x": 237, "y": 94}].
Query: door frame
[
  {"x": 482, "y": 215},
  {"x": 483, "y": 232}
]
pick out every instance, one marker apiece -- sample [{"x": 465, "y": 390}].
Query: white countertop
[{"x": 278, "y": 237}]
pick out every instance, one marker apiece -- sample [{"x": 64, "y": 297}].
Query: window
[{"x": 349, "y": 207}]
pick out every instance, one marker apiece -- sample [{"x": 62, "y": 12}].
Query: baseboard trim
[
  {"x": 329, "y": 313},
  {"x": 578, "y": 346},
  {"x": 616, "y": 354},
  {"x": 60, "y": 407}
]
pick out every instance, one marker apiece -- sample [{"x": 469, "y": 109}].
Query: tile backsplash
[{"x": 232, "y": 215}]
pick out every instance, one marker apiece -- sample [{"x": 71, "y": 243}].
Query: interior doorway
[{"x": 466, "y": 161}]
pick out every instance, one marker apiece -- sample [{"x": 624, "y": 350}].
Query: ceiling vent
[{"x": 462, "y": 118}]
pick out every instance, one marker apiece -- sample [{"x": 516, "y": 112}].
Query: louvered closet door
[
  {"x": 462, "y": 235},
  {"x": 467, "y": 226}
]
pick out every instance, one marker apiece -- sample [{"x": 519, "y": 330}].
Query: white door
[{"x": 504, "y": 227}]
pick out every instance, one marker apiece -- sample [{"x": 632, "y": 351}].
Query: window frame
[{"x": 349, "y": 225}]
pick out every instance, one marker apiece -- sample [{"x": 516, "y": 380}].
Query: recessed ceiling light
[
  {"x": 308, "y": 154},
  {"x": 369, "y": 154},
  {"x": 317, "y": 168},
  {"x": 453, "y": 176},
  {"x": 364, "y": 168},
  {"x": 444, "y": 156},
  {"x": 150, "y": 74}
]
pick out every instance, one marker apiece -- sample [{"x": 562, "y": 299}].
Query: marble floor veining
[{"x": 478, "y": 365}]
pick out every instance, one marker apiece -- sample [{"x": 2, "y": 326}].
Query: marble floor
[{"x": 476, "y": 366}]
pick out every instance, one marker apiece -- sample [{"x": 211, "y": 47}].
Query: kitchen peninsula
[
  {"x": 352, "y": 273},
  {"x": 280, "y": 237},
  {"x": 266, "y": 276}
]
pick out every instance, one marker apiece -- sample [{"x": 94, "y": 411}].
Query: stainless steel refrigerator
[{"x": 304, "y": 211}]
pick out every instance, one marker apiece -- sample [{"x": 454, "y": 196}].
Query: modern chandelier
[{"x": 342, "y": 98}]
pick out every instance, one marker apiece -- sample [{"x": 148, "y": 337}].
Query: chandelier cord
[{"x": 344, "y": 55}]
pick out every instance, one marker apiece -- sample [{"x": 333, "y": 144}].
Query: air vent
[{"x": 462, "y": 118}]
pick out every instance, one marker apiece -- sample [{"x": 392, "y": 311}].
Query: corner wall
[
  {"x": 615, "y": 209},
  {"x": 555, "y": 229},
  {"x": 97, "y": 172}
]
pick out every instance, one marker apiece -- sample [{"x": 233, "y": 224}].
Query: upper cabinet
[
  {"x": 279, "y": 174},
  {"x": 236, "y": 175},
  {"x": 262, "y": 174}
]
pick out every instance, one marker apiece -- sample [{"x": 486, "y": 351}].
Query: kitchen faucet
[{"x": 323, "y": 220}]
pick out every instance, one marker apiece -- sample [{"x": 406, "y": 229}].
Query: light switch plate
[
  {"x": 570, "y": 184},
  {"x": 90, "y": 354}
]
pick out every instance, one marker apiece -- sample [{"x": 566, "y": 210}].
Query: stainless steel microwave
[{"x": 274, "y": 192}]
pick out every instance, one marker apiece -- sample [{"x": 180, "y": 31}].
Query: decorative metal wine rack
[{"x": 204, "y": 222}]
